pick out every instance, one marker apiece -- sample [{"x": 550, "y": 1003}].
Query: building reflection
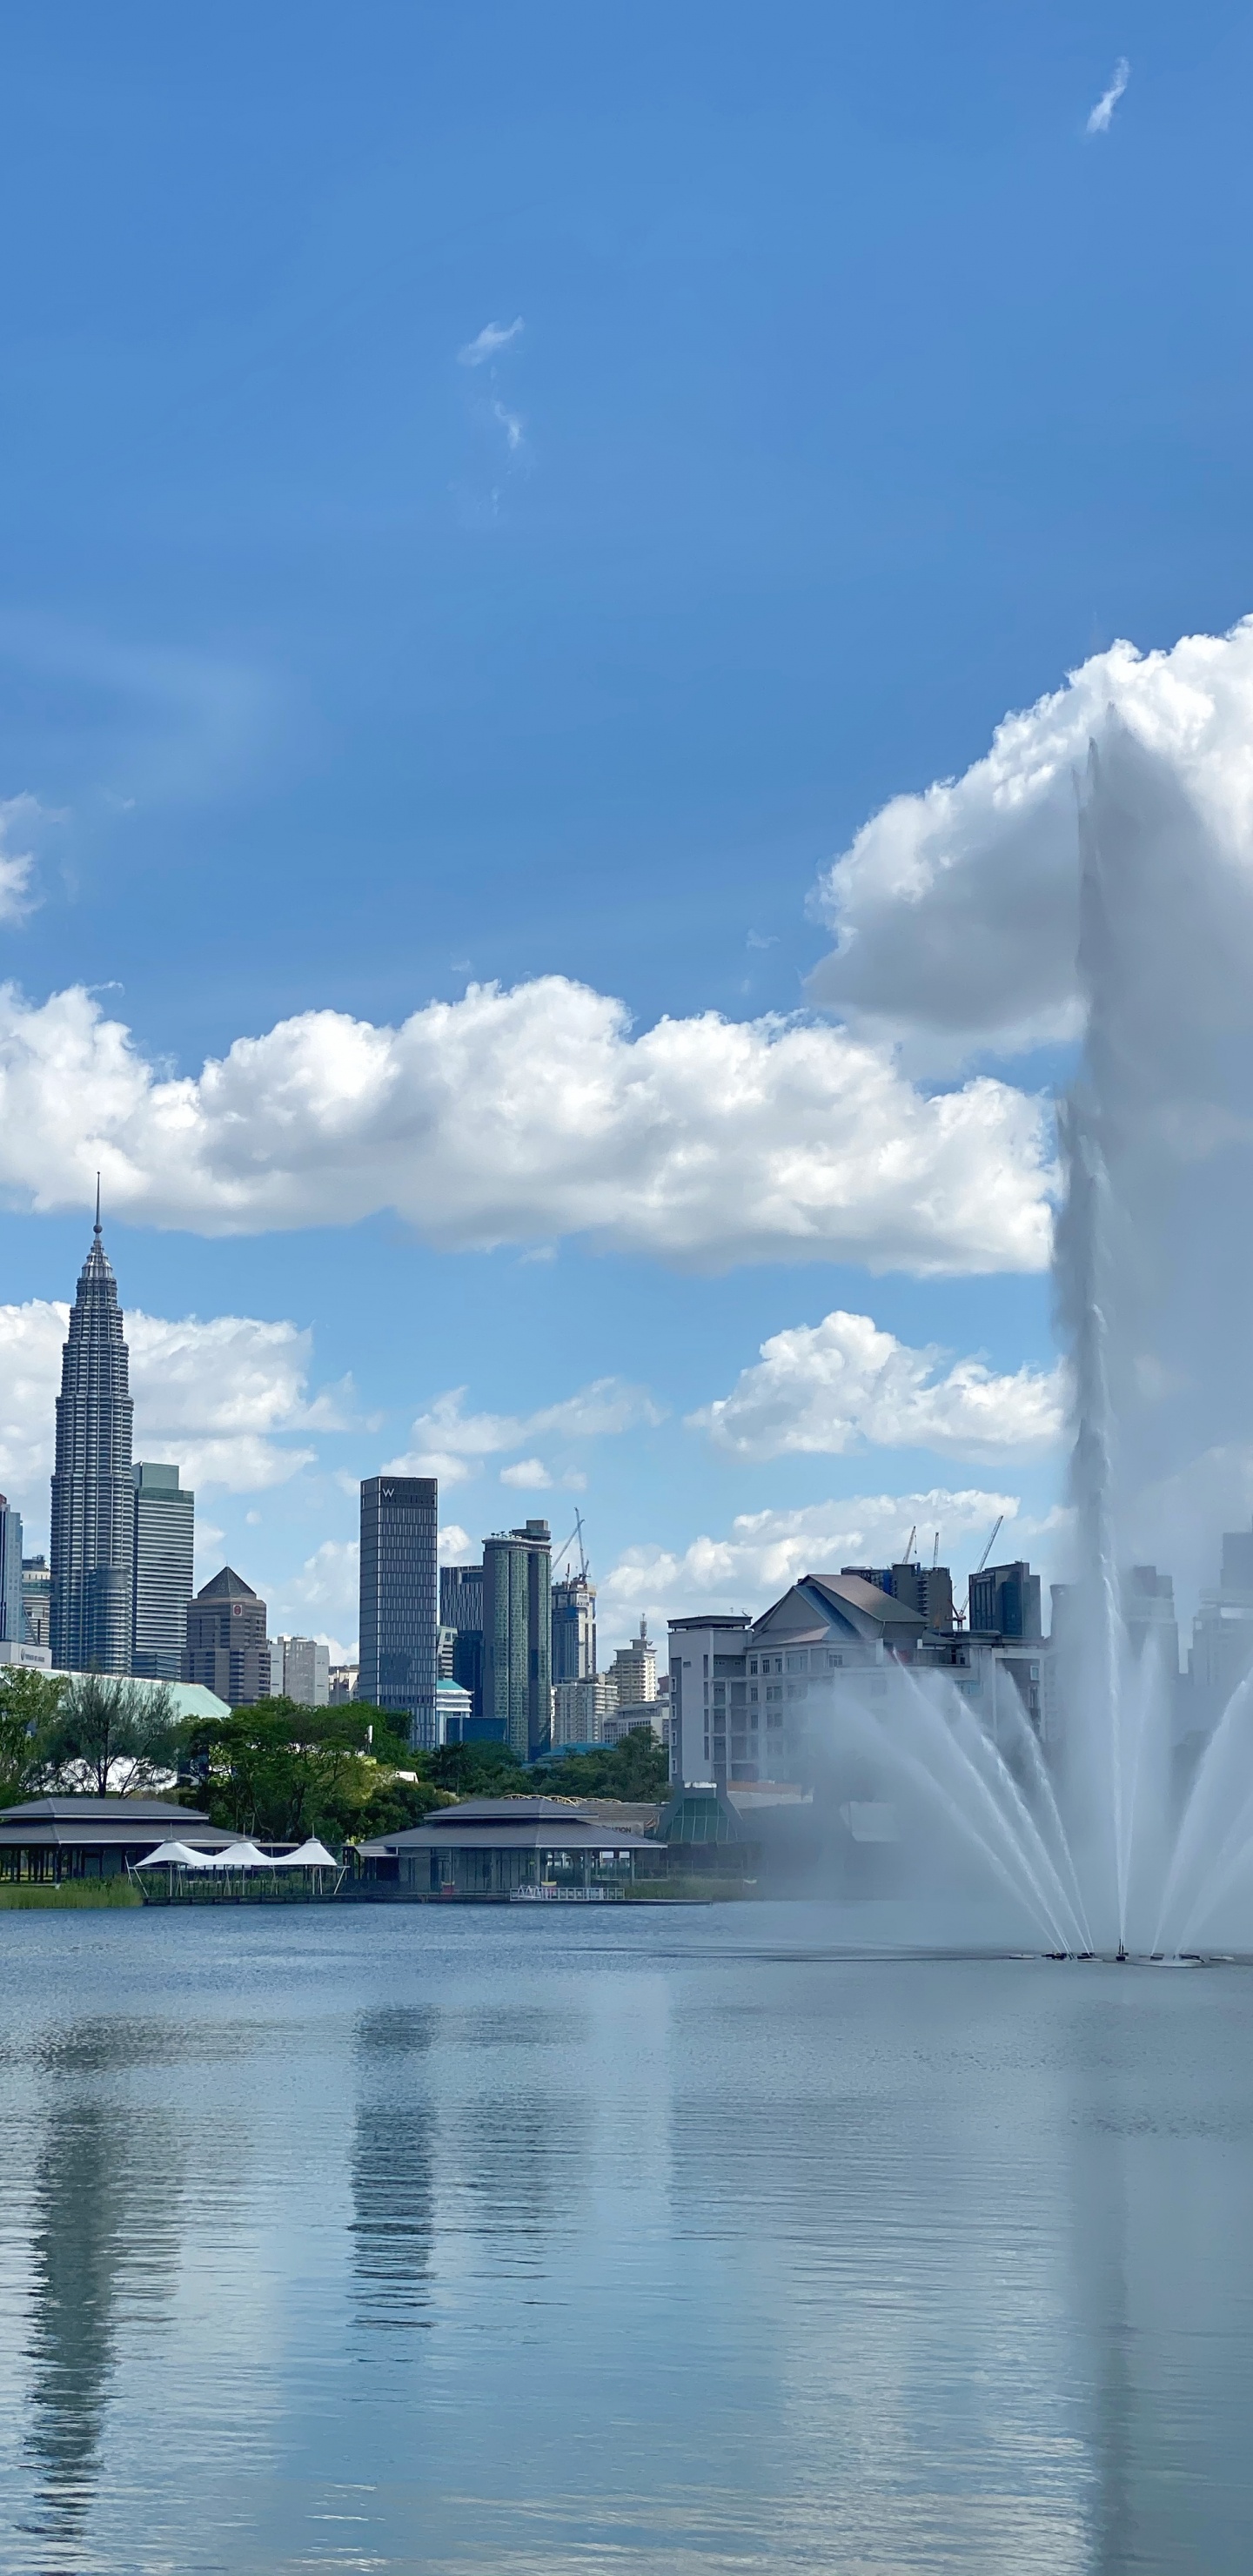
[
  {"x": 393, "y": 2169},
  {"x": 103, "y": 2251}
]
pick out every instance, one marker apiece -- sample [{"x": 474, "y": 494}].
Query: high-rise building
[
  {"x": 400, "y": 1601},
  {"x": 517, "y": 1634},
  {"x": 581, "y": 1708},
  {"x": 633, "y": 1671},
  {"x": 574, "y": 1629},
  {"x": 36, "y": 1600},
  {"x": 227, "y": 1648},
  {"x": 1005, "y": 1601},
  {"x": 165, "y": 1545},
  {"x": 300, "y": 1669},
  {"x": 461, "y": 1619},
  {"x": 93, "y": 1497},
  {"x": 928, "y": 1589},
  {"x": 12, "y": 1621}
]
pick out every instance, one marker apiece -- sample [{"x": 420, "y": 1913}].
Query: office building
[
  {"x": 1222, "y": 1631},
  {"x": 633, "y": 1671},
  {"x": 517, "y": 1634},
  {"x": 343, "y": 1685},
  {"x": 1005, "y": 1602},
  {"x": 400, "y": 1601},
  {"x": 461, "y": 1618},
  {"x": 164, "y": 1552},
  {"x": 37, "y": 1601},
  {"x": 93, "y": 1496},
  {"x": 928, "y": 1589},
  {"x": 580, "y": 1710},
  {"x": 12, "y": 1618},
  {"x": 300, "y": 1669},
  {"x": 708, "y": 1688},
  {"x": 1148, "y": 1609},
  {"x": 574, "y": 1629},
  {"x": 227, "y": 1649}
]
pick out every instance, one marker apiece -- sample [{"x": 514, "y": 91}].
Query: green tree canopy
[
  {"x": 114, "y": 1734},
  {"x": 28, "y": 1707},
  {"x": 638, "y": 1767},
  {"x": 279, "y": 1771}
]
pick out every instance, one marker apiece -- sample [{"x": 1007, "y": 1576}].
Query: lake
[{"x": 618, "y": 2239}]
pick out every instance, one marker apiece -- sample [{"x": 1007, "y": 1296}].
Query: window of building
[
  {"x": 798, "y": 1663},
  {"x": 832, "y": 1661},
  {"x": 752, "y": 1663},
  {"x": 752, "y": 1690}
]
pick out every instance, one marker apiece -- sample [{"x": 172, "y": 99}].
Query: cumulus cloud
[
  {"x": 451, "y": 1444},
  {"x": 956, "y": 911},
  {"x": 529, "y": 1475},
  {"x": 766, "y": 1551},
  {"x": 522, "y": 1115},
  {"x": 488, "y": 343},
  {"x": 1102, "y": 116},
  {"x": 216, "y": 1396},
  {"x": 843, "y": 1384}
]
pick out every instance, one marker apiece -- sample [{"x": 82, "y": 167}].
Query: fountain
[{"x": 1104, "y": 1848}]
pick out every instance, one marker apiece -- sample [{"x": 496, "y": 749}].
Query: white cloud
[
  {"x": 843, "y": 1384},
  {"x": 523, "y": 1115},
  {"x": 512, "y": 424},
  {"x": 18, "y": 814},
  {"x": 459, "y": 1441},
  {"x": 1102, "y": 115},
  {"x": 488, "y": 343},
  {"x": 215, "y": 1396},
  {"x": 528, "y": 1474},
  {"x": 766, "y": 1551},
  {"x": 957, "y": 910}
]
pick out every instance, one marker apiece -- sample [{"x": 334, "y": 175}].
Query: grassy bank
[{"x": 18, "y": 1896}]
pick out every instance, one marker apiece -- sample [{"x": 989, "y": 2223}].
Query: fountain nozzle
[{"x": 1121, "y": 1954}]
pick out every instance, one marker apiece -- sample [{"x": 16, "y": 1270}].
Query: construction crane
[
  {"x": 576, "y": 1533},
  {"x": 908, "y": 1556},
  {"x": 964, "y": 1612},
  {"x": 935, "y": 1552}
]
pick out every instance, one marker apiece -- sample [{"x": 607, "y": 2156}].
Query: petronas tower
[{"x": 93, "y": 1494}]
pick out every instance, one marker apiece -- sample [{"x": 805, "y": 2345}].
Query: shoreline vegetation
[{"x": 74, "y": 1895}]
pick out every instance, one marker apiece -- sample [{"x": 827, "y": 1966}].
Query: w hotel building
[{"x": 400, "y": 1601}]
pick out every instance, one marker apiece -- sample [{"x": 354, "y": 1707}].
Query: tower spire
[{"x": 97, "y": 1203}]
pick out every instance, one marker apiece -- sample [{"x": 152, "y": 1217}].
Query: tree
[
  {"x": 279, "y": 1771},
  {"x": 114, "y": 1734},
  {"x": 476, "y": 1770},
  {"x": 28, "y": 1708},
  {"x": 638, "y": 1767}
]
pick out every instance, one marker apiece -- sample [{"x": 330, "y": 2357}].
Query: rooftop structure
[
  {"x": 70, "y": 1837},
  {"x": 486, "y": 1849}
]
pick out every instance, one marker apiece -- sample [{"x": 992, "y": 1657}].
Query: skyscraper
[
  {"x": 165, "y": 1539},
  {"x": 93, "y": 1497},
  {"x": 227, "y": 1648},
  {"x": 400, "y": 1600},
  {"x": 461, "y": 1616},
  {"x": 574, "y": 1629},
  {"x": 12, "y": 1619},
  {"x": 517, "y": 1634}
]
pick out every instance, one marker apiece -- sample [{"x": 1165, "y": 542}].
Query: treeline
[{"x": 276, "y": 1771}]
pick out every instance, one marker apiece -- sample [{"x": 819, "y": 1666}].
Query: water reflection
[
  {"x": 393, "y": 2168},
  {"x": 104, "y": 2207}
]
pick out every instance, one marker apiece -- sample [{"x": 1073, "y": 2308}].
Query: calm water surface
[{"x": 644, "y": 2241}]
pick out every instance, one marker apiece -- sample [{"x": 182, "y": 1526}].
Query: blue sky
[{"x": 859, "y": 394}]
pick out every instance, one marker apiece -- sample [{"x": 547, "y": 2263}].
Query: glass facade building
[
  {"x": 574, "y": 1629},
  {"x": 517, "y": 1635},
  {"x": 400, "y": 1601},
  {"x": 12, "y": 1616},
  {"x": 165, "y": 1540},
  {"x": 93, "y": 1495},
  {"x": 461, "y": 1617}
]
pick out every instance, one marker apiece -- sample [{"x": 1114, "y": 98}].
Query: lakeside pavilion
[
  {"x": 51, "y": 1839},
  {"x": 485, "y": 1849}
]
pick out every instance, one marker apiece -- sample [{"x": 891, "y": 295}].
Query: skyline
[{"x": 527, "y": 752}]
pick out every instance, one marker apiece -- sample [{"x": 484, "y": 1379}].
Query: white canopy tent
[
  {"x": 240, "y": 1856},
  {"x": 176, "y": 1856},
  {"x": 310, "y": 1855}
]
